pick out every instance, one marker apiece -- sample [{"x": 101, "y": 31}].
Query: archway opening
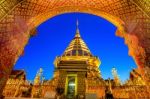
[{"x": 57, "y": 32}]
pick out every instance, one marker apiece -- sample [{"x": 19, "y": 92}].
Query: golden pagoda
[
  {"x": 38, "y": 77},
  {"x": 36, "y": 89},
  {"x": 77, "y": 68},
  {"x": 116, "y": 77}
]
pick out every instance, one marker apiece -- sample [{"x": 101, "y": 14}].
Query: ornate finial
[
  {"x": 39, "y": 74},
  {"x": 77, "y": 23},
  {"x": 77, "y": 29},
  {"x": 115, "y": 75}
]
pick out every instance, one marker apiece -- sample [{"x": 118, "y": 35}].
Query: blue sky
[{"x": 55, "y": 34}]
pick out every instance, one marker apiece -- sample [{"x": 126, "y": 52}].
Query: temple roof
[
  {"x": 77, "y": 46},
  {"x": 17, "y": 74}
]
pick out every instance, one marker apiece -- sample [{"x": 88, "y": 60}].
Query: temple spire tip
[
  {"x": 77, "y": 22},
  {"x": 77, "y": 29}
]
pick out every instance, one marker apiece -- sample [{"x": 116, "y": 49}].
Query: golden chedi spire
[
  {"x": 116, "y": 76},
  {"x": 37, "y": 79},
  {"x": 77, "y": 46},
  {"x": 77, "y": 31}
]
